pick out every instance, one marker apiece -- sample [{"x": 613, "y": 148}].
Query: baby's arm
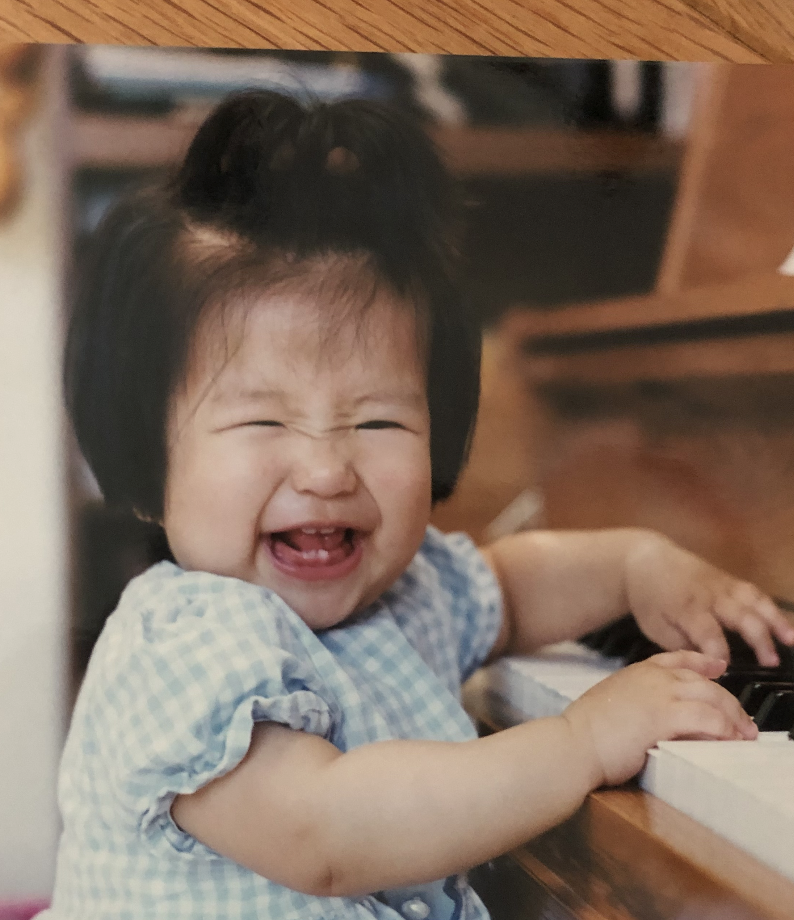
[
  {"x": 561, "y": 585},
  {"x": 384, "y": 815}
]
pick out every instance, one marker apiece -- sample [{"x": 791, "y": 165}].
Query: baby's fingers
[
  {"x": 780, "y": 625},
  {"x": 704, "y": 633},
  {"x": 695, "y": 719},
  {"x": 720, "y": 701},
  {"x": 756, "y": 618},
  {"x": 756, "y": 634},
  {"x": 701, "y": 664}
]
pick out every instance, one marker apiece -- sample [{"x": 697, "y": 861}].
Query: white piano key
[
  {"x": 544, "y": 684},
  {"x": 742, "y": 790}
]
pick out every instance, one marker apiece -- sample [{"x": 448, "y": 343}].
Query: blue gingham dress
[{"x": 185, "y": 666}]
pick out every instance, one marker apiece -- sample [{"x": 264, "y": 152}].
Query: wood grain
[
  {"x": 733, "y": 30},
  {"x": 627, "y": 855}
]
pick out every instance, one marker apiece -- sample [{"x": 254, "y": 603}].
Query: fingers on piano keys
[{"x": 766, "y": 694}]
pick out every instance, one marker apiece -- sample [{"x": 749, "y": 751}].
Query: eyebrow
[
  {"x": 405, "y": 397},
  {"x": 253, "y": 394},
  {"x": 257, "y": 394}
]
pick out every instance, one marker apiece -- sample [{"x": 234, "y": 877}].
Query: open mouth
[{"x": 314, "y": 553}]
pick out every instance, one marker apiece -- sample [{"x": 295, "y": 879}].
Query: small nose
[{"x": 323, "y": 467}]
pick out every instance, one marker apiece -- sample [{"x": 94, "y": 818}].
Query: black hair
[{"x": 267, "y": 183}]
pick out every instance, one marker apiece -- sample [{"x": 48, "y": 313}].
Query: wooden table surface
[{"x": 737, "y": 30}]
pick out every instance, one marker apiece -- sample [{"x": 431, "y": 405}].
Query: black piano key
[
  {"x": 777, "y": 712},
  {"x": 641, "y": 649},
  {"x": 619, "y": 639},
  {"x": 753, "y": 695},
  {"x": 623, "y": 639},
  {"x": 736, "y": 682},
  {"x": 743, "y": 656}
]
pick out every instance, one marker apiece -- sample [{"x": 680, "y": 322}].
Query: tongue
[{"x": 300, "y": 540}]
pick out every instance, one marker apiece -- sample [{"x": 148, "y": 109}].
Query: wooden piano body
[{"x": 674, "y": 410}]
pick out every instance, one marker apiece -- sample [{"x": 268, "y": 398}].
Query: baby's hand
[
  {"x": 671, "y": 695},
  {"x": 680, "y": 601}
]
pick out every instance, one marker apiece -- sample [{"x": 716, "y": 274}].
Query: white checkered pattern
[{"x": 184, "y": 667}]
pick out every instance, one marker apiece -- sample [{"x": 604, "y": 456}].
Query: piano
[
  {"x": 674, "y": 410},
  {"x": 706, "y": 832}
]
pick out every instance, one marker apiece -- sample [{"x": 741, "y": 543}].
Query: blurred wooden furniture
[
  {"x": 733, "y": 214},
  {"x": 625, "y": 855},
  {"x": 106, "y": 142},
  {"x": 18, "y": 65},
  {"x": 675, "y": 410}
]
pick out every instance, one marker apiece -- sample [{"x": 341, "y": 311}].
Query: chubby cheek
[
  {"x": 212, "y": 511},
  {"x": 404, "y": 496}
]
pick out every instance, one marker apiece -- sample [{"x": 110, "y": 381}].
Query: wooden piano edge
[
  {"x": 732, "y": 329},
  {"x": 755, "y": 296},
  {"x": 626, "y": 855}
]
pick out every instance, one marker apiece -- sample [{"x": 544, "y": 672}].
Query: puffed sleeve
[
  {"x": 472, "y": 591},
  {"x": 190, "y": 663}
]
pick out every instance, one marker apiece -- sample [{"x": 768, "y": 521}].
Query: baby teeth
[{"x": 319, "y": 554}]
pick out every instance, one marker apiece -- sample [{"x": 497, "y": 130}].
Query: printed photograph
[{"x": 358, "y": 407}]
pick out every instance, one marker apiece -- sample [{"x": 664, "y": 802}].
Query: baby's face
[{"x": 300, "y": 460}]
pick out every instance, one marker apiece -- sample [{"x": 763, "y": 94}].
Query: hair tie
[{"x": 341, "y": 161}]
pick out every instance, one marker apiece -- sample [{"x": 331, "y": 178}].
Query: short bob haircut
[{"x": 268, "y": 188}]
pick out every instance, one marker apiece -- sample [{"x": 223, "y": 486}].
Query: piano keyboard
[
  {"x": 544, "y": 684},
  {"x": 742, "y": 790}
]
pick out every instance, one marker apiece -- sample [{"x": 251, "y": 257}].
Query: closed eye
[
  {"x": 265, "y": 423},
  {"x": 377, "y": 424}
]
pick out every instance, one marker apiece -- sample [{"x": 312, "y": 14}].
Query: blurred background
[{"x": 577, "y": 174}]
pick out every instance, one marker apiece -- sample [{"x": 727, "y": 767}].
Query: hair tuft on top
[{"x": 351, "y": 176}]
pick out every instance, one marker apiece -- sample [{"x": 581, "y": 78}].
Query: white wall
[{"x": 33, "y": 569}]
